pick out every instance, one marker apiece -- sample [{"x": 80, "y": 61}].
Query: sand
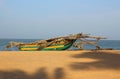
[{"x": 102, "y": 64}]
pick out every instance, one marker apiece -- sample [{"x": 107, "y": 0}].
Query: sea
[{"x": 114, "y": 44}]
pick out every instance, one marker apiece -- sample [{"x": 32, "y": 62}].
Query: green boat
[
  {"x": 53, "y": 46},
  {"x": 59, "y": 43}
]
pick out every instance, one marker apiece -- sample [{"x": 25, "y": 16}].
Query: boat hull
[
  {"x": 59, "y": 47},
  {"x": 36, "y": 47}
]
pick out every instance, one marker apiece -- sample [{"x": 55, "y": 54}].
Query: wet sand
[{"x": 102, "y": 64}]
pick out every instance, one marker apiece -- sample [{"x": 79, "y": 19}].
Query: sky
[{"x": 42, "y": 19}]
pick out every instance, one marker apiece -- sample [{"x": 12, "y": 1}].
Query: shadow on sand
[
  {"x": 40, "y": 74},
  {"x": 59, "y": 73},
  {"x": 104, "y": 61}
]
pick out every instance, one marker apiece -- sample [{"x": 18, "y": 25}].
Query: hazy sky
[{"x": 50, "y": 18}]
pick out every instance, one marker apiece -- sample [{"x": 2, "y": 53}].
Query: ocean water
[{"x": 115, "y": 44}]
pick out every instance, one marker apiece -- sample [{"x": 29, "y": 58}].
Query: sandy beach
[{"x": 102, "y": 64}]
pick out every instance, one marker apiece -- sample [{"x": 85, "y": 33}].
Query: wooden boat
[
  {"x": 53, "y": 46},
  {"x": 59, "y": 43}
]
